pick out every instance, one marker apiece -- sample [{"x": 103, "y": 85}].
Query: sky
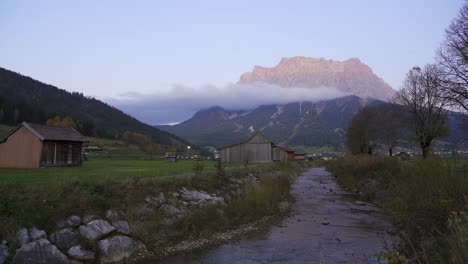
[{"x": 138, "y": 54}]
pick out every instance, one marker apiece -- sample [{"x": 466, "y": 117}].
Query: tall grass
[{"x": 421, "y": 197}]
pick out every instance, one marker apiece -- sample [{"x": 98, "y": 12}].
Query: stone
[
  {"x": 96, "y": 229},
  {"x": 65, "y": 238},
  {"x": 74, "y": 221},
  {"x": 36, "y": 233},
  {"x": 144, "y": 211},
  {"x": 4, "y": 253},
  {"x": 175, "y": 194},
  {"x": 23, "y": 236},
  {"x": 39, "y": 252},
  {"x": 360, "y": 203},
  {"x": 170, "y": 210},
  {"x": 122, "y": 227},
  {"x": 156, "y": 201},
  {"x": 80, "y": 253},
  {"x": 325, "y": 222},
  {"x": 89, "y": 218},
  {"x": 4, "y": 242},
  {"x": 115, "y": 215},
  {"x": 227, "y": 198},
  {"x": 117, "y": 248},
  {"x": 187, "y": 195},
  {"x": 167, "y": 221}
]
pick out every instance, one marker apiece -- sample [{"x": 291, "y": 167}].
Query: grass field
[{"x": 102, "y": 168}]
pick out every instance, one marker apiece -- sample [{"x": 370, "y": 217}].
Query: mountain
[
  {"x": 25, "y": 99},
  {"x": 301, "y": 123},
  {"x": 350, "y": 76}
]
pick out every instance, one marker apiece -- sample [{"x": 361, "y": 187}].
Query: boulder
[
  {"x": 4, "y": 253},
  {"x": 122, "y": 227},
  {"x": 89, "y": 218},
  {"x": 168, "y": 221},
  {"x": 170, "y": 210},
  {"x": 187, "y": 195},
  {"x": 156, "y": 201},
  {"x": 96, "y": 229},
  {"x": 36, "y": 233},
  {"x": 144, "y": 211},
  {"x": 23, "y": 236},
  {"x": 117, "y": 248},
  {"x": 65, "y": 238},
  {"x": 39, "y": 252},
  {"x": 115, "y": 215},
  {"x": 80, "y": 253},
  {"x": 72, "y": 221}
]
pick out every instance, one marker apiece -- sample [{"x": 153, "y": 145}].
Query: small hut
[
  {"x": 281, "y": 153},
  {"x": 300, "y": 154},
  {"x": 256, "y": 149},
  {"x": 36, "y": 146}
]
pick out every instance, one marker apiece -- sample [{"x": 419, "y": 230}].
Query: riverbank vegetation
[
  {"x": 426, "y": 199},
  {"x": 24, "y": 203}
]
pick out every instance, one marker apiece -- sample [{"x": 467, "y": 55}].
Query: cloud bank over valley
[{"x": 180, "y": 102}]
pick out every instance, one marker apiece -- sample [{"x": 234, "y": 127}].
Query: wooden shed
[
  {"x": 256, "y": 149},
  {"x": 36, "y": 146},
  {"x": 281, "y": 153},
  {"x": 300, "y": 154}
]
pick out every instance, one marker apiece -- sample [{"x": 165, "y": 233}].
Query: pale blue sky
[{"x": 108, "y": 48}]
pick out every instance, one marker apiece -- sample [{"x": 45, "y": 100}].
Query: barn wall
[
  {"x": 61, "y": 153},
  {"x": 21, "y": 150},
  {"x": 257, "y": 150},
  {"x": 280, "y": 154}
]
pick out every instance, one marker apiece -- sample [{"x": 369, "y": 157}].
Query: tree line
[{"x": 420, "y": 108}]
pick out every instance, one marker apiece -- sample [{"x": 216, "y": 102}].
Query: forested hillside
[{"x": 25, "y": 99}]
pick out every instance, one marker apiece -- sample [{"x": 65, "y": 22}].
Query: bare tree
[
  {"x": 420, "y": 97},
  {"x": 453, "y": 60},
  {"x": 361, "y": 134}
]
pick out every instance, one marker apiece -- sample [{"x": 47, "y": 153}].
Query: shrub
[{"x": 419, "y": 196}]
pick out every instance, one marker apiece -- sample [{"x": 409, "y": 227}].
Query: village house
[
  {"x": 256, "y": 149},
  {"x": 39, "y": 146},
  {"x": 281, "y": 153}
]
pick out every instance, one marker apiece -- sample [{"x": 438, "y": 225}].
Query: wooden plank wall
[
  {"x": 21, "y": 150},
  {"x": 279, "y": 154},
  {"x": 257, "y": 150}
]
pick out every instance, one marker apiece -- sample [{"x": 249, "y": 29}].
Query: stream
[{"x": 325, "y": 225}]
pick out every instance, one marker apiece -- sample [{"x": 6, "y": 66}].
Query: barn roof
[
  {"x": 245, "y": 141},
  {"x": 300, "y": 152},
  {"x": 51, "y": 133},
  {"x": 285, "y": 148}
]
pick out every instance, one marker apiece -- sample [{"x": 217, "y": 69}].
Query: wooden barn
[
  {"x": 300, "y": 155},
  {"x": 256, "y": 149},
  {"x": 281, "y": 153},
  {"x": 36, "y": 146}
]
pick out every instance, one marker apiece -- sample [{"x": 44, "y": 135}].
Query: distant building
[
  {"x": 300, "y": 155},
  {"x": 92, "y": 149},
  {"x": 35, "y": 146},
  {"x": 256, "y": 149},
  {"x": 281, "y": 153}
]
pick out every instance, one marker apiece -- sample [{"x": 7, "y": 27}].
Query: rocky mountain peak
[{"x": 350, "y": 76}]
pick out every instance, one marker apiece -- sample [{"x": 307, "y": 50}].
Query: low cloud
[{"x": 180, "y": 102}]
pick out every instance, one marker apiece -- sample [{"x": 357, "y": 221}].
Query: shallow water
[{"x": 355, "y": 234}]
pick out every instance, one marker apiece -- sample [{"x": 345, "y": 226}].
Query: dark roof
[
  {"x": 287, "y": 149},
  {"x": 51, "y": 133},
  {"x": 245, "y": 141},
  {"x": 300, "y": 152}
]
